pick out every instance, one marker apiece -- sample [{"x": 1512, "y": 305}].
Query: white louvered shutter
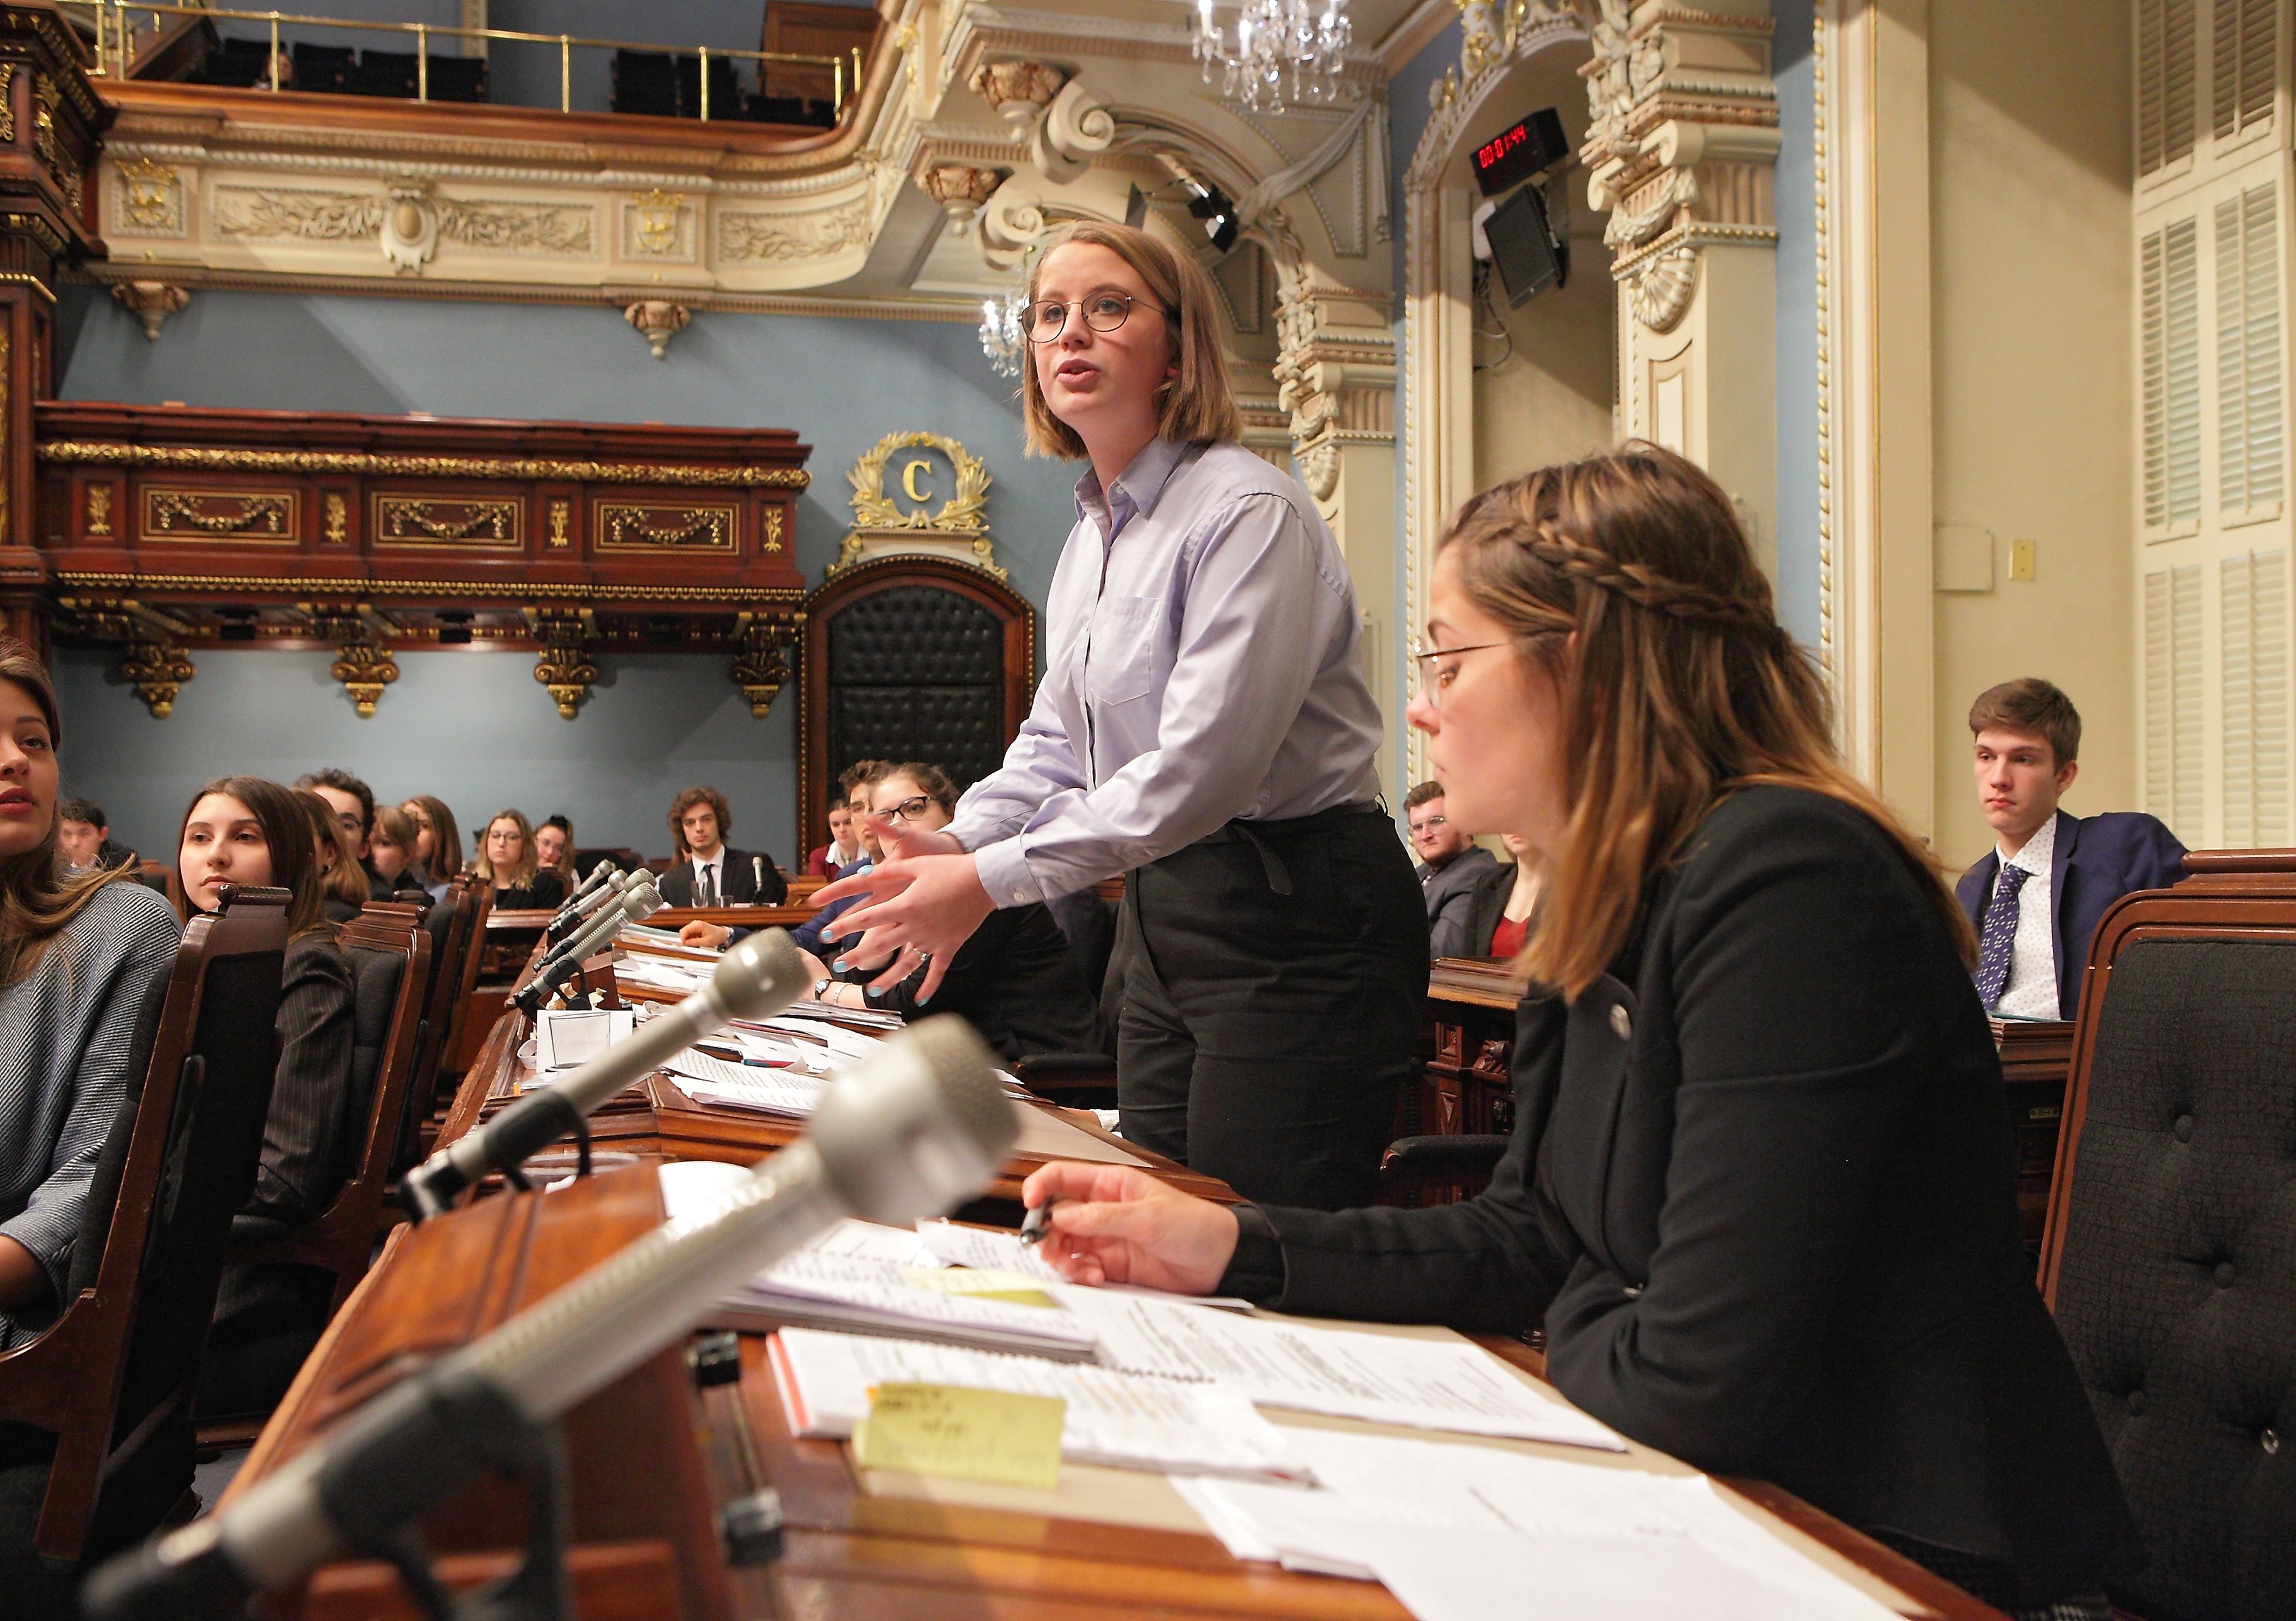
[
  {"x": 2173, "y": 782},
  {"x": 2255, "y": 698},
  {"x": 2170, "y": 274},
  {"x": 2165, "y": 83},
  {"x": 2240, "y": 88},
  {"x": 2250, "y": 438}
]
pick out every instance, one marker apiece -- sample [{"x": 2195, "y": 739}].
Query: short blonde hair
[{"x": 1198, "y": 405}]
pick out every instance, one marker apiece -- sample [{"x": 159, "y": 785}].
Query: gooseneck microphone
[
  {"x": 639, "y": 902},
  {"x": 913, "y": 1131},
  {"x": 594, "y": 892},
  {"x": 755, "y": 979}
]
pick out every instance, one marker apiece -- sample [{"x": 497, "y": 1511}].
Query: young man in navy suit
[{"x": 2036, "y": 900}]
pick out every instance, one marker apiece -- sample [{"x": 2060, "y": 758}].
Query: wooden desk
[
  {"x": 2035, "y": 1057},
  {"x": 1464, "y": 1085},
  {"x": 659, "y": 1120},
  {"x": 654, "y": 1463}
]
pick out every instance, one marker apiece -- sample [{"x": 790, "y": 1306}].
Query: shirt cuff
[
  {"x": 1005, "y": 874},
  {"x": 1256, "y": 1271}
]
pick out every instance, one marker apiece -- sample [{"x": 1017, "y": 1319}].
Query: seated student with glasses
[
  {"x": 1015, "y": 977},
  {"x": 1758, "y": 1192},
  {"x": 507, "y": 860}
]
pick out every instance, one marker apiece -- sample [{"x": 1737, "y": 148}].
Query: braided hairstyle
[{"x": 1628, "y": 577}]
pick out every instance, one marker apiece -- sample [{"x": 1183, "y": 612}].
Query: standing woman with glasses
[{"x": 1204, "y": 729}]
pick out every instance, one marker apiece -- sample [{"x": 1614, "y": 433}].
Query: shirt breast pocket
[{"x": 1121, "y": 664}]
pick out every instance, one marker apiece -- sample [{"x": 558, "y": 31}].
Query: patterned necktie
[
  {"x": 1993, "y": 950},
  {"x": 710, "y": 889}
]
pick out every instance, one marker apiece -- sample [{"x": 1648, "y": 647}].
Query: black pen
[{"x": 1038, "y": 1221}]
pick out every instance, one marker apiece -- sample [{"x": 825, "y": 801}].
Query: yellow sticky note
[
  {"x": 972, "y": 1435},
  {"x": 981, "y": 1282}
]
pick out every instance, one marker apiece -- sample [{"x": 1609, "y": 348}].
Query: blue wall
[{"x": 474, "y": 727}]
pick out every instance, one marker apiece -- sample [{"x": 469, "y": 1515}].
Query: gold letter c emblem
[{"x": 909, "y": 480}]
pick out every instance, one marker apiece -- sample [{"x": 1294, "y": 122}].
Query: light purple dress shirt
[{"x": 1202, "y": 666}]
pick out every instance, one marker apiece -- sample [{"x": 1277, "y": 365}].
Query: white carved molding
[{"x": 658, "y": 321}]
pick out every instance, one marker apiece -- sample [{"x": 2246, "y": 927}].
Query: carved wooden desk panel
[{"x": 1464, "y": 1085}]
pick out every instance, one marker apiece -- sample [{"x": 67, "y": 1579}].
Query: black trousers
[{"x": 1275, "y": 977}]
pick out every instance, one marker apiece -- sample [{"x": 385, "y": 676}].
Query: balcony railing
[{"x": 124, "y": 32}]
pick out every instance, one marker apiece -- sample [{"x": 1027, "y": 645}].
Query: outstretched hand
[
  {"x": 919, "y": 904},
  {"x": 1115, "y": 1224}
]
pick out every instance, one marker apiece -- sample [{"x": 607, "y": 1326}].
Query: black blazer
[
  {"x": 1761, "y": 1191},
  {"x": 1486, "y": 906},
  {"x": 2094, "y": 861},
  {"x": 545, "y": 893},
  {"x": 747, "y": 877},
  {"x": 1016, "y": 979}
]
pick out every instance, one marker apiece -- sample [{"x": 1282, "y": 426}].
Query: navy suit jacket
[{"x": 2097, "y": 860}]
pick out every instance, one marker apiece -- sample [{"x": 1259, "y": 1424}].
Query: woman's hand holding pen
[{"x": 1110, "y": 1223}]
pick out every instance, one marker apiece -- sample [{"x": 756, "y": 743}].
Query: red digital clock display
[{"x": 1519, "y": 151}]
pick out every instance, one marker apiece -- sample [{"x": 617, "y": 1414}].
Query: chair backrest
[
  {"x": 113, "y": 1375},
  {"x": 2170, "y": 1256},
  {"x": 479, "y": 898},
  {"x": 388, "y": 955},
  {"x": 448, "y": 925}
]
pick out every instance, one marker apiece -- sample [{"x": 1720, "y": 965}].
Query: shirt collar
[
  {"x": 2035, "y": 857},
  {"x": 1138, "y": 488}
]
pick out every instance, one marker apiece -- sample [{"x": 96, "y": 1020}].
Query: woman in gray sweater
[{"x": 77, "y": 957}]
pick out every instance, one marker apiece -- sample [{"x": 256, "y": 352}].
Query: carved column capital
[
  {"x": 157, "y": 668},
  {"x": 362, "y": 663},
  {"x": 1334, "y": 373},
  {"x": 960, "y": 188},
  {"x": 564, "y": 664},
  {"x": 1018, "y": 90},
  {"x": 761, "y": 665},
  {"x": 660, "y": 321},
  {"x": 1681, "y": 142}
]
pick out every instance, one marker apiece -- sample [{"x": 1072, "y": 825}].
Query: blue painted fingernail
[{"x": 837, "y": 967}]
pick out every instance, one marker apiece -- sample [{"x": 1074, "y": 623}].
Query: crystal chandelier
[
  {"x": 1001, "y": 337},
  {"x": 1276, "y": 40}
]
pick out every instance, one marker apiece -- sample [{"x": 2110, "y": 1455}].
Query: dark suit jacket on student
[
  {"x": 738, "y": 881},
  {"x": 1016, "y": 979},
  {"x": 1761, "y": 1194},
  {"x": 1450, "y": 891},
  {"x": 2097, "y": 861},
  {"x": 1486, "y": 907}
]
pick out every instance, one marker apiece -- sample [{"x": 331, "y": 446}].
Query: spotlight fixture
[{"x": 1213, "y": 206}]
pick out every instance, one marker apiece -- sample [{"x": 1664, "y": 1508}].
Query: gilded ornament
[
  {"x": 761, "y": 667},
  {"x": 7, "y": 101},
  {"x": 52, "y": 151},
  {"x": 656, "y": 217},
  {"x": 364, "y": 669},
  {"x": 157, "y": 670},
  {"x": 7, "y": 513},
  {"x": 960, "y": 188},
  {"x": 638, "y": 529},
  {"x": 564, "y": 664},
  {"x": 182, "y": 514},
  {"x": 207, "y": 458},
  {"x": 241, "y": 584},
  {"x": 99, "y": 509},
  {"x": 338, "y": 520},
  {"x": 149, "y": 197},
  {"x": 1018, "y": 90},
  {"x": 962, "y": 510},
  {"x": 414, "y": 521},
  {"x": 561, "y": 513},
  {"x": 773, "y": 529}
]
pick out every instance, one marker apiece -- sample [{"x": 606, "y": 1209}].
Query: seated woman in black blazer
[
  {"x": 508, "y": 861},
  {"x": 248, "y": 831},
  {"x": 1016, "y": 978},
  {"x": 1759, "y": 1190}
]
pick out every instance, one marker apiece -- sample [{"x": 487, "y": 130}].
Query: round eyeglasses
[
  {"x": 1435, "y": 679},
  {"x": 1103, "y": 312}
]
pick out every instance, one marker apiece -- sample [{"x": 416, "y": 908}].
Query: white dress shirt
[
  {"x": 713, "y": 871},
  {"x": 2031, "y": 992},
  {"x": 1201, "y": 665}
]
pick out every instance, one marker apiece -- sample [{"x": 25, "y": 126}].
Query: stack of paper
[
  {"x": 1114, "y": 1419},
  {"x": 788, "y": 1093},
  {"x": 660, "y": 973},
  {"x": 1458, "y": 1531}
]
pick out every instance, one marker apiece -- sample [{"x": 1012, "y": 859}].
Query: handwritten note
[{"x": 972, "y": 1435}]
